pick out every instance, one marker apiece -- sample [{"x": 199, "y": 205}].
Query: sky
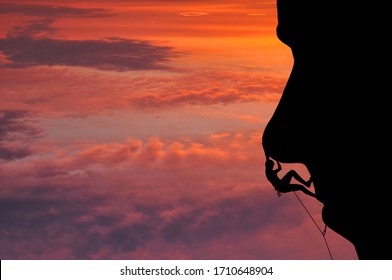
[{"x": 132, "y": 130}]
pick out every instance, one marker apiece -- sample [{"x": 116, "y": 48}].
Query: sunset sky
[{"x": 132, "y": 130}]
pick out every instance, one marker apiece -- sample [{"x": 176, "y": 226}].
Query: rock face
[{"x": 332, "y": 116}]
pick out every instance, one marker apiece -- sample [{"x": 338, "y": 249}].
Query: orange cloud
[
  {"x": 61, "y": 91},
  {"x": 193, "y": 14},
  {"x": 219, "y": 135},
  {"x": 223, "y": 148}
]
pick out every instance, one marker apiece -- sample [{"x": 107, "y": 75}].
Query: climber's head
[{"x": 269, "y": 163}]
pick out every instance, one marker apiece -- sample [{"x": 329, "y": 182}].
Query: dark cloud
[
  {"x": 47, "y": 224},
  {"x": 35, "y": 28},
  {"x": 129, "y": 238},
  {"x": 248, "y": 213},
  {"x": 51, "y": 11},
  {"x": 52, "y": 219},
  {"x": 30, "y": 46},
  {"x": 17, "y": 130},
  {"x": 26, "y": 212},
  {"x": 11, "y": 153},
  {"x": 17, "y": 125}
]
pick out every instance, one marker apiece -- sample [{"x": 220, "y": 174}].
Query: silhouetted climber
[{"x": 284, "y": 184}]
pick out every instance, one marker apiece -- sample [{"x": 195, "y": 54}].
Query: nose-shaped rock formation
[{"x": 332, "y": 115}]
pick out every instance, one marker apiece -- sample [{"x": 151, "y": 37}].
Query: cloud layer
[
  {"x": 26, "y": 47},
  {"x": 102, "y": 202},
  {"x": 51, "y": 11}
]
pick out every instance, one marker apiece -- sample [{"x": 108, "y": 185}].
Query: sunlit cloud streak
[
  {"x": 193, "y": 14},
  {"x": 207, "y": 96},
  {"x": 61, "y": 91}
]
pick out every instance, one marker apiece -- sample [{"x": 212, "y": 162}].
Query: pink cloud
[
  {"x": 144, "y": 198},
  {"x": 60, "y": 91}
]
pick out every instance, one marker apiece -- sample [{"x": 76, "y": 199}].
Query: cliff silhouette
[{"x": 332, "y": 116}]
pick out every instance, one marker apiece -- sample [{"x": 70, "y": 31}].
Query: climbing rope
[{"x": 323, "y": 232}]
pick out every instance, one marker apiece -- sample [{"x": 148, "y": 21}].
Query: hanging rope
[{"x": 323, "y": 232}]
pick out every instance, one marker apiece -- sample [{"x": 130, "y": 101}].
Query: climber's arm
[{"x": 279, "y": 166}]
